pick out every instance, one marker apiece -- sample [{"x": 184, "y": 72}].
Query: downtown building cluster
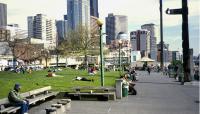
[{"x": 47, "y": 33}]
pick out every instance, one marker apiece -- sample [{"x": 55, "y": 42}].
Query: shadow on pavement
[{"x": 159, "y": 83}]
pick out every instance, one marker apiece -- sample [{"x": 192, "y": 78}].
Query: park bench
[
  {"x": 102, "y": 93},
  {"x": 33, "y": 96}
]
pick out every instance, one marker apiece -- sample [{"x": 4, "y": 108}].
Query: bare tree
[
  {"x": 31, "y": 52},
  {"x": 21, "y": 49},
  {"x": 80, "y": 42}
]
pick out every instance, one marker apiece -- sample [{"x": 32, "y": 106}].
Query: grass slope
[{"x": 63, "y": 82}]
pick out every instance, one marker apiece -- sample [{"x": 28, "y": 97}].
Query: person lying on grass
[{"x": 83, "y": 79}]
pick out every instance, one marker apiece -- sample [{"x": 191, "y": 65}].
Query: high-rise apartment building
[
  {"x": 78, "y": 12},
  {"x": 3, "y": 14},
  {"x": 140, "y": 41},
  {"x": 42, "y": 27},
  {"x": 115, "y": 25},
  {"x": 94, "y": 8},
  {"x": 153, "y": 39}
]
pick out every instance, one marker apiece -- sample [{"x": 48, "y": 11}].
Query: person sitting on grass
[
  {"x": 92, "y": 71},
  {"x": 83, "y": 79},
  {"x": 51, "y": 74},
  {"x": 17, "y": 100}
]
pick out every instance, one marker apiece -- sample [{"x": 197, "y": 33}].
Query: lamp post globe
[{"x": 99, "y": 23}]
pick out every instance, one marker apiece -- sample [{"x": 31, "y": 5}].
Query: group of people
[
  {"x": 128, "y": 80},
  {"x": 21, "y": 69}
]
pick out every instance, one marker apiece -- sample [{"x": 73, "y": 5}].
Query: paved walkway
[{"x": 157, "y": 94}]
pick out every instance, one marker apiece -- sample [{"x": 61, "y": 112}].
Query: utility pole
[
  {"x": 185, "y": 37},
  {"x": 161, "y": 35}
]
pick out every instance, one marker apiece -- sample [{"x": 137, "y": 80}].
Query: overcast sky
[{"x": 138, "y": 11}]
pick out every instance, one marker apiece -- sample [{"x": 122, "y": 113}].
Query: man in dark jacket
[{"x": 17, "y": 100}]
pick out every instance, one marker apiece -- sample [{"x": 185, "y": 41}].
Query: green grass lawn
[{"x": 63, "y": 82}]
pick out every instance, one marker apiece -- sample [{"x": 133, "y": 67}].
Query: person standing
[{"x": 17, "y": 100}]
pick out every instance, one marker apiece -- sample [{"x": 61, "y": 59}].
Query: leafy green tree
[{"x": 176, "y": 62}]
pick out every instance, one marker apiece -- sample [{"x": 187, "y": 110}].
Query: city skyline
[{"x": 138, "y": 13}]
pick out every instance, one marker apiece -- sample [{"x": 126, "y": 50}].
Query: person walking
[
  {"x": 149, "y": 70},
  {"x": 17, "y": 100}
]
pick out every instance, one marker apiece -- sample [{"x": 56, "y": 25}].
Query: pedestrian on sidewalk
[{"x": 149, "y": 70}]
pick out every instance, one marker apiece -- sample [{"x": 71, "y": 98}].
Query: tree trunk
[
  {"x": 86, "y": 61},
  {"x": 46, "y": 61}
]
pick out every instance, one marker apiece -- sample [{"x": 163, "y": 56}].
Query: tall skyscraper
[
  {"x": 115, "y": 25},
  {"x": 61, "y": 26},
  {"x": 65, "y": 25},
  {"x": 30, "y": 22},
  {"x": 94, "y": 8},
  {"x": 3, "y": 14},
  {"x": 42, "y": 27},
  {"x": 140, "y": 41},
  {"x": 78, "y": 12},
  {"x": 153, "y": 39},
  {"x": 166, "y": 57}
]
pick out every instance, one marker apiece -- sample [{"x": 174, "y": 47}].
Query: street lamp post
[
  {"x": 161, "y": 35},
  {"x": 120, "y": 64},
  {"x": 101, "y": 52}
]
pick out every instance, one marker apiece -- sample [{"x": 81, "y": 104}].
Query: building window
[{"x": 134, "y": 58}]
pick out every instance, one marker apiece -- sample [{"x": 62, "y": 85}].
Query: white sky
[{"x": 138, "y": 11}]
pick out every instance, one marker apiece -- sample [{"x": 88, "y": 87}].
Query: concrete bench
[
  {"x": 100, "y": 96},
  {"x": 98, "y": 89},
  {"x": 6, "y": 107},
  {"x": 42, "y": 97},
  {"x": 32, "y": 96}
]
